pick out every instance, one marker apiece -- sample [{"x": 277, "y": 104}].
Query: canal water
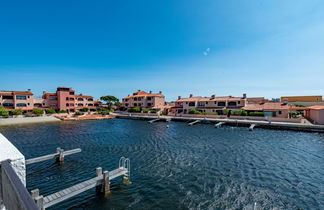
[{"x": 178, "y": 167}]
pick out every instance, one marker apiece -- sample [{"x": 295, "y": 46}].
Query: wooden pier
[
  {"x": 194, "y": 122},
  {"x": 218, "y": 125},
  {"x": 252, "y": 127},
  {"x": 101, "y": 182},
  {"x": 59, "y": 155}
]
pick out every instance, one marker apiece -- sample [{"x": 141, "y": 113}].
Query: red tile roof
[
  {"x": 270, "y": 106},
  {"x": 316, "y": 107}
]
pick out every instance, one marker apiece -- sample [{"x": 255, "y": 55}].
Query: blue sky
[{"x": 262, "y": 48}]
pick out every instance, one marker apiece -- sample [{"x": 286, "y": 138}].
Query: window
[
  {"x": 21, "y": 105},
  {"x": 238, "y": 102},
  {"x": 71, "y": 93},
  {"x": 63, "y": 89},
  {"x": 221, "y": 103},
  {"x": 7, "y": 104},
  {"x": 149, "y": 104},
  {"x": 53, "y": 98},
  {"x": 90, "y": 99},
  {"x": 67, "y": 98},
  {"x": 7, "y": 97},
  {"x": 80, "y": 104},
  {"x": 90, "y": 104},
  {"x": 21, "y": 97},
  {"x": 126, "y": 104},
  {"x": 201, "y": 103},
  {"x": 71, "y": 104},
  {"x": 139, "y": 99},
  {"x": 135, "y": 99},
  {"x": 71, "y": 99},
  {"x": 149, "y": 98},
  {"x": 280, "y": 112},
  {"x": 80, "y": 99},
  {"x": 135, "y": 104},
  {"x": 67, "y": 104},
  {"x": 232, "y": 103},
  {"x": 191, "y": 103}
]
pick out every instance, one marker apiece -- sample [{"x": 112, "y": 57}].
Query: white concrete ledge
[{"x": 24, "y": 120}]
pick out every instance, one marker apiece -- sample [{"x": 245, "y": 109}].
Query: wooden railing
[{"x": 13, "y": 193}]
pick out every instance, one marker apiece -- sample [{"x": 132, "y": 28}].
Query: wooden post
[
  {"x": 99, "y": 173},
  {"x": 60, "y": 158},
  {"x": 106, "y": 185},
  {"x": 39, "y": 200}
]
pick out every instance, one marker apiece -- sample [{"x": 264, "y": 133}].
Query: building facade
[
  {"x": 63, "y": 99},
  {"x": 144, "y": 100},
  {"x": 208, "y": 105},
  {"x": 315, "y": 114},
  {"x": 296, "y": 99}
]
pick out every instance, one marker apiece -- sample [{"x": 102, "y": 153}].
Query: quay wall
[
  {"x": 234, "y": 122},
  {"x": 23, "y": 120}
]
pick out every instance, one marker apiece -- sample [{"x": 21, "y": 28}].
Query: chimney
[
  {"x": 128, "y": 94},
  {"x": 179, "y": 97},
  {"x": 213, "y": 96},
  {"x": 138, "y": 90},
  {"x": 150, "y": 91},
  {"x": 44, "y": 92},
  {"x": 244, "y": 95},
  {"x": 190, "y": 96},
  {"x": 28, "y": 90},
  {"x": 160, "y": 92}
]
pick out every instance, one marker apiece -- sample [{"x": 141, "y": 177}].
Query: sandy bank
[{"x": 24, "y": 120}]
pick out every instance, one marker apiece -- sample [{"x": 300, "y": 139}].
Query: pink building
[
  {"x": 145, "y": 100},
  {"x": 63, "y": 99},
  {"x": 66, "y": 99},
  {"x": 315, "y": 114}
]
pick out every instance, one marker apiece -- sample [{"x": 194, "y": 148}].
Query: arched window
[
  {"x": 221, "y": 103},
  {"x": 80, "y": 104}
]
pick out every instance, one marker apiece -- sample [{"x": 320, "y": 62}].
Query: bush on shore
[
  {"x": 4, "y": 112},
  {"x": 50, "y": 111},
  {"x": 84, "y": 110},
  {"x": 17, "y": 112},
  {"x": 78, "y": 113},
  {"x": 62, "y": 111},
  {"x": 38, "y": 112},
  {"x": 194, "y": 111},
  {"x": 257, "y": 114},
  {"x": 135, "y": 109}
]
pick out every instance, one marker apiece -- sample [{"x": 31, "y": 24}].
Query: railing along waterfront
[{"x": 13, "y": 193}]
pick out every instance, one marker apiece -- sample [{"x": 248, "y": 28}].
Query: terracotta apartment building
[
  {"x": 213, "y": 104},
  {"x": 145, "y": 100},
  {"x": 63, "y": 99}
]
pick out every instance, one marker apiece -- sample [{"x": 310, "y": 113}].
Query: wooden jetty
[
  {"x": 252, "y": 127},
  {"x": 59, "y": 155},
  {"x": 218, "y": 125},
  {"x": 101, "y": 182},
  {"x": 194, "y": 122},
  {"x": 154, "y": 120}
]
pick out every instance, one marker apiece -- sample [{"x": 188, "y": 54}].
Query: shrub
[
  {"x": 84, "y": 110},
  {"x": 78, "y": 113},
  {"x": 146, "y": 110},
  {"x": 50, "y": 111},
  {"x": 104, "y": 112},
  {"x": 194, "y": 111},
  {"x": 62, "y": 111},
  {"x": 258, "y": 114},
  {"x": 38, "y": 112},
  {"x": 236, "y": 113},
  {"x": 122, "y": 108},
  {"x": 135, "y": 109},
  {"x": 3, "y": 112},
  {"x": 153, "y": 111},
  {"x": 244, "y": 113},
  {"x": 17, "y": 112}
]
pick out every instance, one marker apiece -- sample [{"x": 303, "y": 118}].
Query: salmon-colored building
[
  {"x": 315, "y": 114},
  {"x": 63, "y": 99},
  {"x": 270, "y": 109},
  {"x": 144, "y": 100}
]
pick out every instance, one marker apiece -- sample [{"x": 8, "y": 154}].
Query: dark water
[{"x": 179, "y": 167}]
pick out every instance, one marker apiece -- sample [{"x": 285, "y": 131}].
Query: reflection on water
[{"x": 178, "y": 167}]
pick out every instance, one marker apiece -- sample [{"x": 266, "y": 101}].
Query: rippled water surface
[{"x": 178, "y": 167}]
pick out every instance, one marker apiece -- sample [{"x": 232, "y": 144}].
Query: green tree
[
  {"x": 50, "y": 111},
  {"x": 110, "y": 100}
]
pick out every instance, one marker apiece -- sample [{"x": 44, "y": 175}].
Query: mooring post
[
  {"x": 60, "y": 158},
  {"x": 99, "y": 173},
  {"x": 106, "y": 183},
  {"x": 39, "y": 200}
]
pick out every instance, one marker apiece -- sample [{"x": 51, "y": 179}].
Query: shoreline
[
  {"x": 27, "y": 120},
  {"x": 233, "y": 122}
]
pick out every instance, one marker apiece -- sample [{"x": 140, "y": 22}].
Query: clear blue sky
[{"x": 204, "y": 47}]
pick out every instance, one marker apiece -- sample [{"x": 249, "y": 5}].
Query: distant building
[
  {"x": 315, "y": 114},
  {"x": 296, "y": 99},
  {"x": 63, "y": 99},
  {"x": 144, "y": 100},
  {"x": 270, "y": 109},
  {"x": 208, "y": 105}
]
